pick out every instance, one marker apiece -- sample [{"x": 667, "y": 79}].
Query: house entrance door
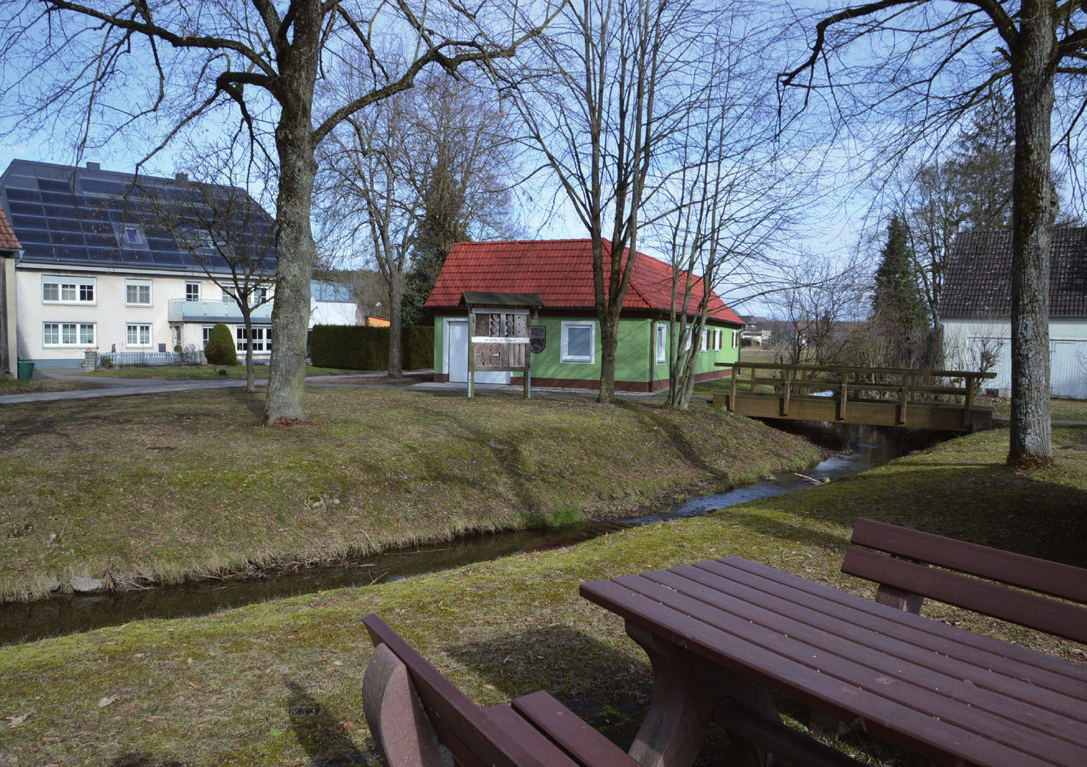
[{"x": 456, "y": 357}]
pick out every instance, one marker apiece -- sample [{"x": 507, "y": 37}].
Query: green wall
[{"x": 636, "y": 357}]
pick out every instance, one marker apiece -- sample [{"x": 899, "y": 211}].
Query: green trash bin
[{"x": 26, "y": 370}]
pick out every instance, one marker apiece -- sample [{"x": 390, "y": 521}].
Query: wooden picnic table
[{"x": 735, "y": 629}]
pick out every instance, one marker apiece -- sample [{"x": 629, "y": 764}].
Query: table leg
[{"x": 686, "y": 691}]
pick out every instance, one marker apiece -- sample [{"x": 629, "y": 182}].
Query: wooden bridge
[{"x": 916, "y": 399}]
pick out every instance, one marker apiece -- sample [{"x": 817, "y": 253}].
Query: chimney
[{"x": 93, "y": 166}]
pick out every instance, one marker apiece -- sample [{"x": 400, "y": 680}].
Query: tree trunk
[
  {"x": 1032, "y": 220},
  {"x": 396, "y": 367},
  {"x": 296, "y": 251},
  {"x": 609, "y": 343},
  {"x": 250, "y": 373}
]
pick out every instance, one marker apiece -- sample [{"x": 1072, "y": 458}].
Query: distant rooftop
[
  {"x": 91, "y": 217},
  {"x": 978, "y": 279}
]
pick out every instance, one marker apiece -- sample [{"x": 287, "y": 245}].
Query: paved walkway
[{"x": 108, "y": 386}]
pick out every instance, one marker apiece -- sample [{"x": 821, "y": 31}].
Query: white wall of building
[
  {"x": 966, "y": 340},
  {"x": 54, "y": 326}
]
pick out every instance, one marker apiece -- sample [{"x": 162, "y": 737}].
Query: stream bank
[{"x": 858, "y": 449}]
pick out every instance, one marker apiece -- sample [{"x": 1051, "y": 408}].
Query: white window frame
[
  {"x": 565, "y": 355},
  {"x": 82, "y": 334},
  {"x": 662, "y": 343},
  {"x": 139, "y": 328},
  {"x": 192, "y": 289},
  {"x": 705, "y": 345},
  {"x": 205, "y": 334},
  {"x": 262, "y": 339},
  {"x": 137, "y": 285},
  {"x": 735, "y": 340},
  {"x": 70, "y": 290}
]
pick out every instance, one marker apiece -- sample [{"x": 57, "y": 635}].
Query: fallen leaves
[{"x": 109, "y": 701}]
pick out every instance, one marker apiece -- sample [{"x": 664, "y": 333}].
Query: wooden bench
[
  {"x": 910, "y": 565},
  {"x": 418, "y": 717}
]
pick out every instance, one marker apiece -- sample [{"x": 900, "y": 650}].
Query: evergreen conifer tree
[{"x": 897, "y": 300}]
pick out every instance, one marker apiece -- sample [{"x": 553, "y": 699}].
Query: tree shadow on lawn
[
  {"x": 323, "y": 735},
  {"x": 602, "y": 686},
  {"x": 990, "y": 505}
]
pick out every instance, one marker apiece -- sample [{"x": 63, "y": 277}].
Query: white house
[
  {"x": 120, "y": 263},
  {"x": 976, "y": 309}
]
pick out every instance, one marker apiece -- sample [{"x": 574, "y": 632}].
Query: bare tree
[
  {"x": 432, "y": 154},
  {"x": 940, "y": 59},
  {"x": 221, "y": 225},
  {"x": 819, "y": 312},
  {"x": 253, "y": 62},
  {"x": 611, "y": 88},
  {"x": 726, "y": 201}
]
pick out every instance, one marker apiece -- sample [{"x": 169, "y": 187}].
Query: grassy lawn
[
  {"x": 280, "y": 683},
  {"x": 163, "y": 488}
]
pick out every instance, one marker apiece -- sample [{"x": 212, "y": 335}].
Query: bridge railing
[{"x": 900, "y": 385}]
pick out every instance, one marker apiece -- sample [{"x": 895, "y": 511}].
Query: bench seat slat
[
  {"x": 1052, "y": 578},
  {"x": 574, "y": 736}
]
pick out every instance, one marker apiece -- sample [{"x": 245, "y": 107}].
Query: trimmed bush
[
  {"x": 352, "y": 347},
  {"x": 220, "y": 349}
]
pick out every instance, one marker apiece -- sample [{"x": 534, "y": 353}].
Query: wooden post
[
  {"x": 969, "y": 401},
  {"x": 788, "y": 389},
  {"x": 844, "y": 397},
  {"x": 732, "y": 388},
  {"x": 906, "y": 378}
]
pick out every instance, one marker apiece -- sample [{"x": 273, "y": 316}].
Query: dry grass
[
  {"x": 166, "y": 487},
  {"x": 280, "y": 683}
]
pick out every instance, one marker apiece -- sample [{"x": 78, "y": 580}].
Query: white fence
[{"x": 148, "y": 359}]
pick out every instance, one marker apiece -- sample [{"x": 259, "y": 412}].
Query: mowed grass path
[
  {"x": 281, "y": 683},
  {"x": 167, "y": 487}
]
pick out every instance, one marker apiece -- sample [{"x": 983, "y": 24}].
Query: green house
[{"x": 560, "y": 273}]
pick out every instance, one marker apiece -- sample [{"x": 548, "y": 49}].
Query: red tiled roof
[
  {"x": 561, "y": 272},
  {"x": 8, "y": 240}
]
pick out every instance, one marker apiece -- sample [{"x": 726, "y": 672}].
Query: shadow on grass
[
  {"x": 323, "y": 736},
  {"x": 602, "y": 686},
  {"x": 137, "y": 759},
  {"x": 988, "y": 504}
]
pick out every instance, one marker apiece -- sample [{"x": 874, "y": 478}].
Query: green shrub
[
  {"x": 220, "y": 348},
  {"x": 348, "y": 347}
]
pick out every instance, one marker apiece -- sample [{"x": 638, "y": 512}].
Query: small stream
[{"x": 72, "y": 613}]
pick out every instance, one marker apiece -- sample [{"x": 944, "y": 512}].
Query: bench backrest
[
  {"x": 908, "y": 562},
  {"x": 470, "y": 736}
]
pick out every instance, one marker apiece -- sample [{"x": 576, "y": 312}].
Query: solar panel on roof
[
  {"x": 27, "y": 208},
  {"x": 58, "y": 198},
  {"x": 36, "y": 250},
  {"x": 100, "y": 186},
  {"x": 48, "y": 184},
  {"x": 28, "y": 195},
  {"x": 72, "y": 252},
  {"x": 165, "y": 258}
]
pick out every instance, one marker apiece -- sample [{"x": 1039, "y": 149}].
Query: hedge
[{"x": 352, "y": 347}]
